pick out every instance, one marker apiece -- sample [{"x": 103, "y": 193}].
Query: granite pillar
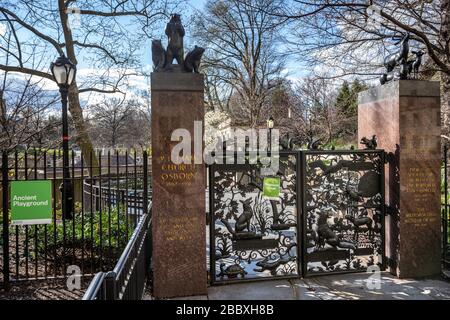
[
  {"x": 405, "y": 116},
  {"x": 178, "y": 208}
]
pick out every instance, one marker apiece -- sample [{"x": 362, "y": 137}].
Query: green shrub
[{"x": 99, "y": 233}]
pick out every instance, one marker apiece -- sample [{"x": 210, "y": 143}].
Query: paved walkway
[{"x": 340, "y": 287}]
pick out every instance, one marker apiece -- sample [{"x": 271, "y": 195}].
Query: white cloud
[
  {"x": 285, "y": 71},
  {"x": 88, "y": 77},
  {"x": 95, "y": 78},
  {"x": 295, "y": 79},
  {"x": 2, "y": 29}
]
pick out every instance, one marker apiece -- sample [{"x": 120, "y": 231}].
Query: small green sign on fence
[
  {"x": 31, "y": 202},
  {"x": 271, "y": 188}
]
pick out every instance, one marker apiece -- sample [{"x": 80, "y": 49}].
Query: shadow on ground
[
  {"x": 44, "y": 290},
  {"x": 356, "y": 286}
]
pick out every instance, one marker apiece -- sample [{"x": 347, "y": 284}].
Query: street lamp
[
  {"x": 64, "y": 71},
  {"x": 288, "y": 133},
  {"x": 270, "y": 124}
]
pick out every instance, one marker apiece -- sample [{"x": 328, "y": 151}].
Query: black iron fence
[
  {"x": 327, "y": 218},
  {"x": 109, "y": 201},
  {"x": 128, "y": 278}
]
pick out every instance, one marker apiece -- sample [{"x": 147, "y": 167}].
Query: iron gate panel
[
  {"x": 252, "y": 237},
  {"x": 343, "y": 210}
]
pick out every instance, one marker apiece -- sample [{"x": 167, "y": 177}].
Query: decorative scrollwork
[
  {"x": 254, "y": 236},
  {"x": 343, "y": 211}
]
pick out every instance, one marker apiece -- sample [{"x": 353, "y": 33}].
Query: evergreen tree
[
  {"x": 343, "y": 99},
  {"x": 347, "y": 108}
]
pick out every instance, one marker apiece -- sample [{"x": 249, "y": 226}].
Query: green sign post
[
  {"x": 31, "y": 202},
  {"x": 271, "y": 188}
]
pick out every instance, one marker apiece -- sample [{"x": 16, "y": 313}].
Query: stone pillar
[
  {"x": 405, "y": 116},
  {"x": 178, "y": 208}
]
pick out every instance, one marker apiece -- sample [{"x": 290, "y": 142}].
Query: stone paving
[{"x": 334, "y": 287}]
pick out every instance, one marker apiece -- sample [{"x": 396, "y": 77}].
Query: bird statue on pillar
[{"x": 371, "y": 144}]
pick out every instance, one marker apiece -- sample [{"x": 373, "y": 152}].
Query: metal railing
[
  {"x": 127, "y": 280},
  {"x": 96, "y": 289}
]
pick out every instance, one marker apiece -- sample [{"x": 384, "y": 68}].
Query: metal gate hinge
[
  {"x": 390, "y": 262},
  {"x": 388, "y": 157}
]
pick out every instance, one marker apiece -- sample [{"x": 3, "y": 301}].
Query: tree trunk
[
  {"x": 76, "y": 112},
  {"x": 445, "y": 77},
  {"x": 82, "y": 138},
  {"x": 2, "y": 110},
  {"x": 445, "y": 103}
]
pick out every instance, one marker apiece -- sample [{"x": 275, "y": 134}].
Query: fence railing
[
  {"x": 96, "y": 289},
  {"x": 127, "y": 280},
  {"x": 103, "y": 221}
]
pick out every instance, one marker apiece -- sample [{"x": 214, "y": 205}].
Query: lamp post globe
[
  {"x": 64, "y": 71},
  {"x": 270, "y": 125}
]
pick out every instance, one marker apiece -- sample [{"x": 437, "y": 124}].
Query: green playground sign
[
  {"x": 271, "y": 188},
  {"x": 31, "y": 202}
]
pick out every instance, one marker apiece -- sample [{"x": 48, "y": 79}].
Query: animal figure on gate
[
  {"x": 360, "y": 222},
  {"x": 272, "y": 266},
  {"x": 326, "y": 234},
  {"x": 231, "y": 271},
  {"x": 243, "y": 221}
]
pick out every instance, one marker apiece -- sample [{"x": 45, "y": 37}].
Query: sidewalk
[{"x": 340, "y": 287}]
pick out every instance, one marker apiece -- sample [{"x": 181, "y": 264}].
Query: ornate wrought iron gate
[
  {"x": 343, "y": 210},
  {"x": 329, "y": 216},
  {"x": 252, "y": 237}
]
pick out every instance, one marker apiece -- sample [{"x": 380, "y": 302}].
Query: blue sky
[
  {"x": 186, "y": 9},
  {"x": 293, "y": 67},
  {"x": 192, "y": 6}
]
